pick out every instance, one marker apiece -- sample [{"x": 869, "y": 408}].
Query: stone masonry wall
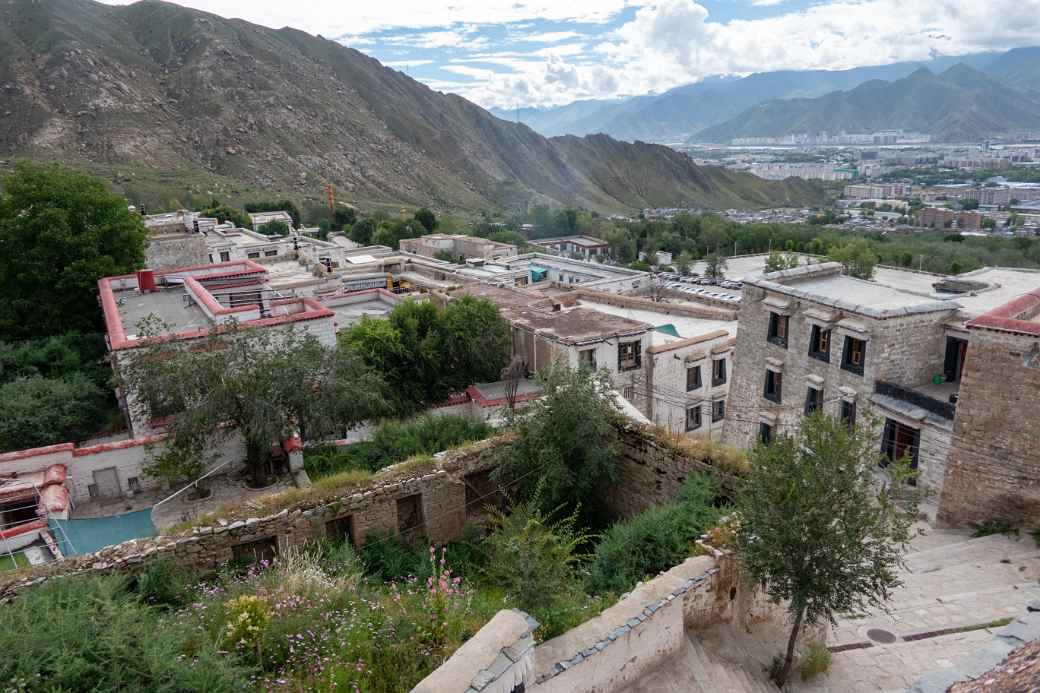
[{"x": 994, "y": 466}]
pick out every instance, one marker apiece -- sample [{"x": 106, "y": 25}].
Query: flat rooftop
[
  {"x": 169, "y": 305},
  {"x": 685, "y": 327}
]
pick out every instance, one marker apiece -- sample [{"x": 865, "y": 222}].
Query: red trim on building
[
  {"x": 36, "y": 452},
  {"x": 1008, "y": 317},
  {"x": 118, "y": 445}
]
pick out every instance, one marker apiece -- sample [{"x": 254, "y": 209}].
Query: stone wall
[
  {"x": 439, "y": 495},
  {"x": 994, "y": 466},
  {"x": 173, "y": 250},
  {"x": 651, "y": 470}
]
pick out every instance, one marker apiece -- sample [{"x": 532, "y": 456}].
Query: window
[
  {"x": 848, "y": 414},
  {"x": 587, "y": 359},
  {"x": 410, "y": 516},
  {"x": 92, "y": 490},
  {"x": 899, "y": 441},
  {"x": 270, "y": 253},
  {"x": 813, "y": 400},
  {"x": 693, "y": 378},
  {"x": 340, "y": 529},
  {"x": 693, "y": 418},
  {"x": 225, "y": 256},
  {"x": 253, "y": 256},
  {"x": 854, "y": 355},
  {"x": 629, "y": 356},
  {"x": 718, "y": 410},
  {"x": 774, "y": 386},
  {"x": 765, "y": 433},
  {"x": 211, "y": 258},
  {"x": 953, "y": 365},
  {"x": 718, "y": 372},
  {"x": 820, "y": 344},
  {"x": 134, "y": 484},
  {"x": 778, "y": 329}
]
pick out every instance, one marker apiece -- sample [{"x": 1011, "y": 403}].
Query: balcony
[{"x": 934, "y": 399}]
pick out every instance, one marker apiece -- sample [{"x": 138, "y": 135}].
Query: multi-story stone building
[
  {"x": 889, "y": 353},
  {"x": 459, "y": 246}
]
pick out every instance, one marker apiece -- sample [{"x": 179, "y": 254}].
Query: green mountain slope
[
  {"x": 174, "y": 93},
  {"x": 961, "y": 104}
]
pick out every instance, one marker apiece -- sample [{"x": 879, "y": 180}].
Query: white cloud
[
  {"x": 339, "y": 17},
  {"x": 475, "y": 72},
  {"x": 550, "y": 37},
  {"x": 767, "y": 3},
  {"x": 407, "y": 63}
]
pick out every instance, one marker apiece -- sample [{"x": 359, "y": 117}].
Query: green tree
[
  {"x": 567, "y": 440},
  {"x": 473, "y": 342},
  {"x": 263, "y": 383},
  {"x": 426, "y": 217},
  {"x": 37, "y": 411},
  {"x": 714, "y": 266},
  {"x": 343, "y": 217},
  {"x": 684, "y": 262},
  {"x": 274, "y": 228},
  {"x": 969, "y": 204},
  {"x": 777, "y": 262},
  {"x": 223, "y": 212},
  {"x": 362, "y": 231},
  {"x": 60, "y": 231},
  {"x": 856, "y": 256},
  {"x": 823, "y": 557}
]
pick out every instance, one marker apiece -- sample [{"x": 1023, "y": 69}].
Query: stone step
[
  {"x": 992, "y": 549},
  {"x": 731, "y": 673}
]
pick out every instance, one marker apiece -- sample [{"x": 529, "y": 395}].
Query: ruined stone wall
[
  {"x": 440, "y": 494},
  {"x": 170, "y": 251},
  {"x": 652, "y": 469},
  {"x": 994, "y": 466}
]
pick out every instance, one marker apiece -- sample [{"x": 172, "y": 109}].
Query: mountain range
[
  {"x": 689, "y": 113},
  {"x": 154, "y": 94}
]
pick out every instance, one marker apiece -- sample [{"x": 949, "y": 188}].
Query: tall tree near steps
[
  {"x": 818, "y": 529},
  {"x": 264, "y": 383}
]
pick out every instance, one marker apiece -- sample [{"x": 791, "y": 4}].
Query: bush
[
  {"x": 91, "y": 634},
  {"x": 386, "y": 556},
  {"x": 815, "y": 661},
  {"x": 162, "y": 583},
  {"x": 396, "y": 441},
  {"x": 37, "y": 411},
  {"x": 654, "y": 540}
]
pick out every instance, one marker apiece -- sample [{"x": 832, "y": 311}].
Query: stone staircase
[{"x": 952, "y": 582}]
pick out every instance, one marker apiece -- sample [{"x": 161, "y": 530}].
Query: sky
[{"x": 509, "y": 53}]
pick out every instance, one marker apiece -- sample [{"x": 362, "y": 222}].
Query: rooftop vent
[{"x": 958, "y": 286}]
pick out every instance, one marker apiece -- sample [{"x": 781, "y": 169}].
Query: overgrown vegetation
[{"x": 396, "y": 441}]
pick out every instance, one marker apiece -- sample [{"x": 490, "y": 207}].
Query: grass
[
  {"x": 726, "y": 459},
  {"x": 990, "y": 527},
  {"x": 15, "y": 561},
  {"x": 815, "y": 661}
]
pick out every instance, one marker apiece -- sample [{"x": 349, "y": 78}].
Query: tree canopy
[
  {"x": 816, "y": 529},
  {"x": 856, "y": 257},
  {"x": 427, "y": 218},
  {"x": 264, "y": 383},
  {"x": 60, "y": 231}
]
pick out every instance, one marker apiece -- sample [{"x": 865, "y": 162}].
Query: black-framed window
[
  {"x": 774, "y": 386},
  {"x": 813, "y": 399},
  {"x": 587, "y": 359},
  {"x": 848, "y": 414},
  {"x": 899, "y": 440},
  {"x": 718, "y": 372},
  {"x": 854, "y": 355},
  {"x": 693, "y": 418},
  {"x": 820, "y": 344},
  {"x": 765, "y": 433},
  {"x": 693, "y": 378},
  {"x": 718, "y": 410},
  {"x": 778, "y": 329},
  {"x": 629, "y": 356}
]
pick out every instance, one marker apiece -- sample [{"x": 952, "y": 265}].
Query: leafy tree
[
  {"x": 641, "y": 265},
  {"x": 566, "y": 439},
  {"x": 445, "y": 255},
  {"x": 473, "y": 342},
  {"x": 714, "y": 267},
  {"x": 426, "y": 217},
  {"x": 274, "y": 228},
  {"x": 37, "y": 411},
  {"x": 263, "y": 383},
  {"x": 856, "y": 257},
  {"x": 777, "y": 262},
  {"x": 362, "y": 231},
  {"x": 969, "y": 204},
  {"x": 343, "y": 217},
  {"x": 823, "y": 557},
  {"x": 684, "y": 262},
  {"x": 60, "y": 231},
  {"x": 224, "y": 212}
]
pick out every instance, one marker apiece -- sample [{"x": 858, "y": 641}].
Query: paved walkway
[{"x": 951, "y": 582}]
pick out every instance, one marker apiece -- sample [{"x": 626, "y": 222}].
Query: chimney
[{"x": 146, "y": 281}]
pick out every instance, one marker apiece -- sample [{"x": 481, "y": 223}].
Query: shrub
[
  {"x": 91, "y": 634},
  {"x": 386, "y": 556},
  {"x": 162, "y": 583},
  {"x": 996, "y": 526},
  {"x": 653, "y": 540},
  {"x": 815, "y": 661},
  {"x": 396, "y": 441}
]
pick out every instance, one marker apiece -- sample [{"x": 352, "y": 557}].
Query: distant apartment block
[
  {"x": 586, "y": 247},
  {"x": 895, "y": 350},
  {"x": 940, "y": 218},
  {"x": 880, "y": 191},
  {"x": 458, "y": 246}
]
